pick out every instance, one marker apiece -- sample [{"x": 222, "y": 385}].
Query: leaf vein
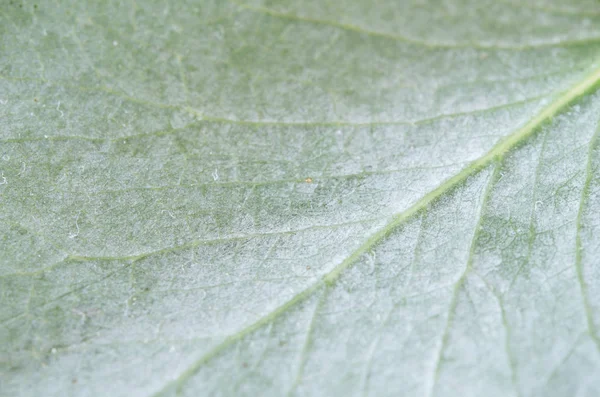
[
  {"x": 587, "y": 84},
  {"x": 410, "y": 40},
  {"x": 579, "y": 245}
]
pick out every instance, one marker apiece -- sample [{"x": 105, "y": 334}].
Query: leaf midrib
[{"x": 587, "y": 84}]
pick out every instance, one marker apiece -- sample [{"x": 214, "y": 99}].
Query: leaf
[{"x": 300, "y": 198}]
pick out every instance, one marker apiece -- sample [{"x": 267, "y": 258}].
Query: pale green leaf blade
[{"x": 299, "y": 198}]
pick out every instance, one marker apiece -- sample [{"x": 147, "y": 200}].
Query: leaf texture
[{"x": 316, "y": 198}]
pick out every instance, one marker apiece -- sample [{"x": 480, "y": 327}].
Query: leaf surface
[{"x": 300, "y": 198}]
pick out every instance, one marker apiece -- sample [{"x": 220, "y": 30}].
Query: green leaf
[{"x": 333, "y": 198}]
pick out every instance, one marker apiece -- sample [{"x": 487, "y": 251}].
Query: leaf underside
[{"x": 336, "y": 198}]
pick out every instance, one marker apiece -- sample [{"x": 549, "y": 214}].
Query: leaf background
[{"x": 302, "y": 198}]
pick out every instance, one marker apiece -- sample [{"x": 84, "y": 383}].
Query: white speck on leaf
[
  {"x": 168, "y": 212},
  {"x": 73, "y": 235}
]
